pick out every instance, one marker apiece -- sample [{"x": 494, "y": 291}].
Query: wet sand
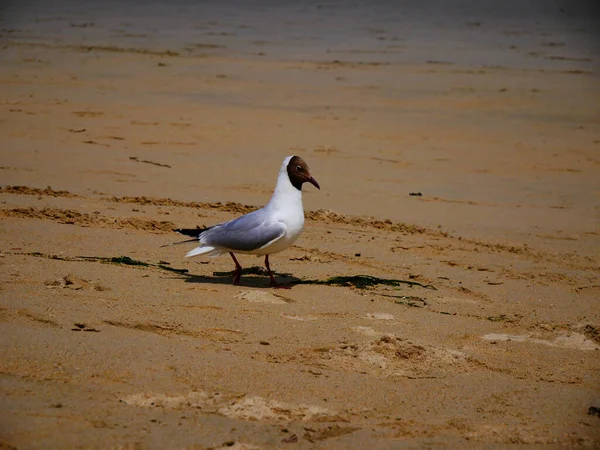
[{"x": 467, "y": 169}]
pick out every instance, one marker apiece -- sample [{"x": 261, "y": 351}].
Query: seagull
[{"x": 270, "y": 229}]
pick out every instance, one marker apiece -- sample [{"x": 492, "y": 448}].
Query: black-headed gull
[{"x": 267, "y": 230}]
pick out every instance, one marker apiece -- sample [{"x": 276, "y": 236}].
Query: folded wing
[{"x": 246, "y": 233}]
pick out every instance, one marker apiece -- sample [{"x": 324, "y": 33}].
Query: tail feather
[
  {"x": 180, "y": 242},
  {"x": 193, "y": 232},
  {"x": 202, "y": 250}
]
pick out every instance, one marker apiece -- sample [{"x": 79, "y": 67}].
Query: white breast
[{"x": 286, "y": 207}]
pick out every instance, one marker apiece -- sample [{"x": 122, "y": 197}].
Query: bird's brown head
[{"x": 298, "y": 173}]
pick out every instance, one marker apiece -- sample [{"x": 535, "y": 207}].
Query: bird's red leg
[
  {"x": 237, "y": 274},
  {"x": 273, "y": 282}
]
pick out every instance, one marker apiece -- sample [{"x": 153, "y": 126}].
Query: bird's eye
[{"x": 299, "y": 168}]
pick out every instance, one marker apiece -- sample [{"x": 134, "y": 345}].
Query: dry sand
[{"x": 492, "y": 341}]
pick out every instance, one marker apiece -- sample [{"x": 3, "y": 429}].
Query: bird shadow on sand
[
  {"x": 255, "y": 277},
  {"x": 251, "y": 277},
  {"x": 259, "y": 279}
]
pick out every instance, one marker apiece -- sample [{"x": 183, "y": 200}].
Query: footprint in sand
[
  {"x": 245, "y": 407},
  {"x": 367, "y": 331},
  {"x": 75, "y": 283},
  {"x": 574, "y": 341},
  {"x": 391, "y": 355},
  {"x": 261, "y": 297},
  {"x": 379, "y": 316},
  {"x": 299, "y": 318}
]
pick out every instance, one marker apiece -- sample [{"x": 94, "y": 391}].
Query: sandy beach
[{"x": 446, "y": 287}]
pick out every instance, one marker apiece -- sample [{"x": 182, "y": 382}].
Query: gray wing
[{"x": 246, "y": 233}]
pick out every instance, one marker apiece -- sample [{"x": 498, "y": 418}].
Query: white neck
[{"x": 285, "y": 194}]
